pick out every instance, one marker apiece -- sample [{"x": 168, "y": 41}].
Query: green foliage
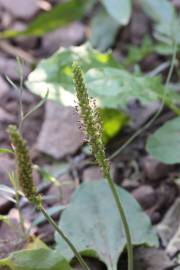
[
  {"x": 137, "y": 54},
  {"x": 113, "y": 122},
  {"x": 61, "y": 15},
  {"x": 116, "y": 87},
  {"x": 167, "y": 27},
  {"x": 164, "y": 144},
  {"x": 103, "y": 30},
  {"x": 111, "y": 86},
  {"x": 120, "y": 10},
  {"x": 93, "y": 224},
  {"x": 91, "y": 119},
  {"x": 36, "y": 259},
  {"x": 55, "y": 73}
]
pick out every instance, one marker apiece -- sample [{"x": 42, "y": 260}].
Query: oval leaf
[
  {"x": 36, "y": 259},
  {"x": 92, "y": 223},
  {"x": 164, "y": 144},
  {"x": 103, "y": 30},
  {"x": 55, "y": 73},
  {"x": 60, "y": 15},
  {"x": 116, "y": 87},
  {"x": 120, "y": 10}
]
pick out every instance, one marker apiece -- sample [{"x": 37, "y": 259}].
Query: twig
[{"x": 17, "y": 52}]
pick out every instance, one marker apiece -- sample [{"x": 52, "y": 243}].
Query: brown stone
[{"x": 59, "y": 135}]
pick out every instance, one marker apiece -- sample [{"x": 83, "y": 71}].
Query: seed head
[
  {"x": 23, "y": 166},
  {"x": 91, "y": 119}
]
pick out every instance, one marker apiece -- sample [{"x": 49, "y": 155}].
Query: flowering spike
[
  {"x": 91, "y": 120},
  {"x": 93, "y": 131},
  {"x": 23, "y": 165}
]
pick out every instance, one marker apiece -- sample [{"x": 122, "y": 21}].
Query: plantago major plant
[{"x": 93, "y": 131}]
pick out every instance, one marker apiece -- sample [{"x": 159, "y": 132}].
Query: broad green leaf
[
  {"x": 103, "y": 30},
  {"x": 116, "y": 87},
  {"x": 159, "y": 10},
  {"x": 36, "y": 259},
  {"x": 60, "y": 15},
  {"x": 110, "y": 85},
  {"x": 93, "y": 224},
  {"x": 55, "y": 73},
  {"x": 138, "y": 53},
  {"x": 36, "y": 243},
  {"x": 113, "y": 122},
  {"x": 164, "y": 144},
  {"x": 120, "y": 10},
  {"x": 167, "y": 28}
]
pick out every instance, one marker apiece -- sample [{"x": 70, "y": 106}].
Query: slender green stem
[
  {"x": 21, "y": 218},
  {"x": 124, "y": 221},
  {"x": 65, "y": 238}
]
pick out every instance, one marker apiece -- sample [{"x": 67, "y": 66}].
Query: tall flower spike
[
  {"x": 23, "y": 166},
  {"x": 93, "y": 130},
  {"x": 91, "y": 120}
]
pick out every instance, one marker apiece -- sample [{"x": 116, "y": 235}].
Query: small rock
[
  {"x": 140, "y": 113},
  {"x": 59, "y": 135},
  {"x": 93, "y": 264},
  {"x": 6, "y": 117},
  {"x": 5, "y": 205},
  {"x": 64, "y": 37},
  {"x": 139, "y": 26},
  {"x": 63, "y": 193},
  {"x": 92, "y": 173},
  {"x": 129, "y": 185},
  {"x": 4, "y": 88},
  {"x": 5, "y": 20},
  {"x": 9, "y": 67},
  {"x": 174, "y": 245},
  {"x": 146, "y": 196},
  {"x": 153, "y": 169},
  {"x": 11, "y": 239},
  {"x": 24, "y": 10},
  {"x": 25, "y": 42},
  {"x": 46, "y": 233},
  {"x": 176, "y": 3},
  {"x": 151, "y": 259},
  {"x": 170, "y": 223}
]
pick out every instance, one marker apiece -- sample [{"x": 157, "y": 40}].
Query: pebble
[
  {"x": 64, "y": 37},
  {"x": 60, "y": 135},
  {"x": 24, "y": 10},
  {"x": 153, "y": 169},
  {"x": 146, "y": 196}
]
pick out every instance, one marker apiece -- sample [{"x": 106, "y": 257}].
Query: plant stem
[
  {"x": 124, "y": 221},
  {"x": 65, "y": 238},
  {"x": 21, "y": 218}
]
